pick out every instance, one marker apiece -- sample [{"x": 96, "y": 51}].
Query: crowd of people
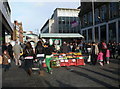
[{"x": 96, "y": 52}]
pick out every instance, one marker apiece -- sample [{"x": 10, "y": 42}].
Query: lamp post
[{"x": 93, "y": 13}]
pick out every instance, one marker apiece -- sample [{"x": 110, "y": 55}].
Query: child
[
  {"x": 100, "y": 58},
  {"x": 6, "y": 60},
  {"x": 108, "y": 55}
]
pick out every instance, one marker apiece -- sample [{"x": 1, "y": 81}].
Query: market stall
[{"x": 65, "y": 59}]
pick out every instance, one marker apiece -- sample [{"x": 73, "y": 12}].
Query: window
[
  {"x": 112, "y": 31},
  {"x": 84, "y": 34},
  {"x": 103, "y": 32},
  {"x": 113, "y": 9},
  {"x": 97, "y": 20},
  {"x": 96, "y": 34},
  {"x": 89, "y": 35}
]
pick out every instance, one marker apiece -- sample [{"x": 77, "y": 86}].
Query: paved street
[{"x": 81, "y": 76}]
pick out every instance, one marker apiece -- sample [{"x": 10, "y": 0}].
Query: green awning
[{"x": 61, "y": 35}]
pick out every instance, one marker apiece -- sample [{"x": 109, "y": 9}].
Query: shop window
[
  {"x": 90, "y": 34},
  {"x": 96, "y": 34},
  {"x": 103, "y": 33}
]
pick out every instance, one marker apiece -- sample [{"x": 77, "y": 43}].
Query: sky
[{"x": 34, "y": 14}]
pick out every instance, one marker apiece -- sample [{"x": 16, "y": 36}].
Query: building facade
[
  {"x": 30, "y": 36},
  {"x": 63, "y": 20},
  {"x": 18, "y": 32},
  {"x": 6, "y": 27},
  {"x": 106, "y": 22}
]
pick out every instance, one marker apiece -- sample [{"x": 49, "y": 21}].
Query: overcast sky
[{"x": 33, "y": 15}]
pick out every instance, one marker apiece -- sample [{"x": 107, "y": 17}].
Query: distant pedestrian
[
  {"x": 10, "y": 50},
  {"x": 100, "y": 58},
  {"x": 6, "y": 60},
  {"x": 104, "y": 48},
  {"x": 89, "y": 52},
  {"x": 108, "y": 56},
  {"x": 113, "y": 51},
  {"x": 64, "y": 48},
  {"x": 118, "y": 50},
  {"x": 16, "y": 51},
  {"x": 94, "y": 53}
]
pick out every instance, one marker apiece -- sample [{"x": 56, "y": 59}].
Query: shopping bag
[
  {"x": 89, "y": 58},
  {"x": 9, "y": 60}
]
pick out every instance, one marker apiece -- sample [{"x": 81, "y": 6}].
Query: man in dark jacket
[
  {"x": 10, "y": 50},
  {"x": 64, "y": 48}
]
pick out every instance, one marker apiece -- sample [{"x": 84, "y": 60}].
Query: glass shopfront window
[
  {"x": 96, "y": 34},
  {"x": 90, "y": 18},
  {"x": 84, "y": 34},
  {"x": 103, "y": 13},
  {"x": 112, "y": 32},
  {"x": 89, "y": 35},
  {"x": 103, "y": 32},
  {"x": 65, "y": 24},
  {"x": 96, "y": 16},
  {"x": 113, "y": 9}
]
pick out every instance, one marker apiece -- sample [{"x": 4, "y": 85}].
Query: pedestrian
[
  {"x": 113, "y": 51},
  {"x": 100, "y": 58},
  {"x": 104, "y": 48},
  {"x": 4, "y": 47},
  {"x": 39, "y": 52},
  {"x": 94, "y": 53},
  {"x": 70, "y": 47},
  {"x": 6, "y": 60},
  {"x": 89, "y": 52},
  {"x": 48, "y": 58},
  {"x": 10, "y": 50},
  {"x": 16, "y": 52},
  {"x": 118, "y": 50},
  {"x": 28, "y": 54},
  {"x": 74, "y": 47},
  {"x": 64, "y": 48},
  {"x": 108, "y": 56}
]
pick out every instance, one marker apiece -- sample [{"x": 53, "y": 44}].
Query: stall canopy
[{"x": 61, "y": 35}]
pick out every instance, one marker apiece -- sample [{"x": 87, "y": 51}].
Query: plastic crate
[
  {"x": 80, "y": 62},
  {"x": 72, "y": 62}
]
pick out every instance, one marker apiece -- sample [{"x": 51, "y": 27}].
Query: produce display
[{"x": 66, "y": 59}]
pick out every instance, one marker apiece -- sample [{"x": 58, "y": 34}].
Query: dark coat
[
  {"x": 64, "y": 48},
  {"x": 39, "y": 49}
]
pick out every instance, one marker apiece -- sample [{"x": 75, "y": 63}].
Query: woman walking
[
  {"x": 39, "y": 51},
  {"x": 29, "y": 56}
]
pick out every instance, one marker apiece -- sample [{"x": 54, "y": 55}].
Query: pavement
[{"x": 106, "y": 76}]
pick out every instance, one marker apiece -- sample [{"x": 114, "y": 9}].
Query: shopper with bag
[
  {"x": 6, "y": 60},
  {"x": 39, "y": 52},
  {"x": 28, "y": 54}
]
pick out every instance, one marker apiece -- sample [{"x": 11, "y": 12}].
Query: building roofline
[
  {"x": 45, "y": 24},
  {"x": 67, "y": 9}
]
